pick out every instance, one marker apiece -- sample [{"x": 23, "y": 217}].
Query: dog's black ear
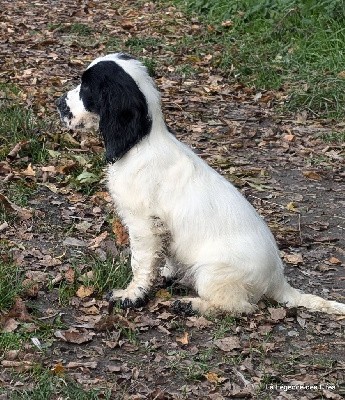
[{"x": 122, "y": 108}]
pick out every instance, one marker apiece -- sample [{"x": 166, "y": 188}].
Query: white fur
[{"x": 161, "y": 189}]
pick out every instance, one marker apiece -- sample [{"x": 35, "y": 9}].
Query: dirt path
[{"x": 289, "y": 168}]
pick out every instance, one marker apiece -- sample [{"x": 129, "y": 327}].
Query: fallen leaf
[
  {"x": 19, "y": 311},
  {"x": 213, "y": 377},
  {"x": 312, "y": 175},
  {"x": 334, "y": 260},
  {"x": 291, "y": 206},
  {"x": 198, "y": 322},
  {"x": 120, "y": 232},
  {"x": 70, "y": 275},
  {"x": 228, "y": 343},
  {"x": 87, "y": 177},
  {"x": 277, "y": 313},
  {"x": 29, "y": 171},
  {"x": 293, "y": 258},
  {"x": 58, "y": 369},
  {"x": 289, "y": 138},
  {"x": 10, "y": 325},
  {"x": 22, "y": 213},
  {"x": 16, "y": 149},
  {"x": 94, "y": 243},
  {"x": 184, "y": 339},
  {"x": 84, "y": 364},
  {"x": 72, "y": 336},
  {"x": 70, "y": 241},
  {"x": 163, "y": 294},
  {"x": 85, "y": 291},
  {"x": 30, "y": 287}
]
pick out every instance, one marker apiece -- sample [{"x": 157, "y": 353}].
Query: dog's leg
[
  {"x": 218, "y": 290},
  {"x": 146, "y": 257}
]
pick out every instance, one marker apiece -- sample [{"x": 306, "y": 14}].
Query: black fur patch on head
[{"x": 108, "y": 91}]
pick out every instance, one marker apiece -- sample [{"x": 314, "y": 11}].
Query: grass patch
[
  {"x": 333, "y": 137},
  {"x": 43, "y": 385},
  {"x": 19, "y": 124},
  {"x": 294, "y": 44},
  {"x": 19, "y": 192},
  {"x": 10, "y": 281},
  {"x": 192, "y": 369},
  {"x": 113, "y": 273}
]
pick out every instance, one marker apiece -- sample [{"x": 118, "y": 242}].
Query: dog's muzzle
[{"x": 64, "y": 110}]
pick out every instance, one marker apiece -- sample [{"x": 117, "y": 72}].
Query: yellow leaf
[
  {"x": 291, "y": 206},
  {"x": 163, "y": 294},
  {"x": 85, "y": 291},
  {"x": 213, "y": 377},
  {"x": 58, "y": 369},
  {"x": 184, "y": 339}
]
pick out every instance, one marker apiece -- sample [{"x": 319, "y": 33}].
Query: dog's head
[{"x": 116, "y": 95}]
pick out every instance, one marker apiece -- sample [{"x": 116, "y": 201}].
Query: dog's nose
[{"x": 59, "y": 101}]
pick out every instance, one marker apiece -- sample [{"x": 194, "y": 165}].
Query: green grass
[
  {"x": 192, "y": 368},
  {"x": 19, "y": 124},
  {"x": 291, "y": 44},
  {"x": 47, "y": 386},
  {"x": 10, "y": 280},
  {"x": 113, "y": 273},
  {"x": 333, "y": 137}
]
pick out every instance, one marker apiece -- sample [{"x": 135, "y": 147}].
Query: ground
[{"x": 66, "y": 239}]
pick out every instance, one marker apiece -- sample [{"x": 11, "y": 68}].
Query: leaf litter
[{"x": 280, "y": 163}]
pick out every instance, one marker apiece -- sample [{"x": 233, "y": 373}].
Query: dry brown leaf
[
  {"x": 213, "y": 377},
  {"x": 120, "y": 232},
  {"x": 228, "y": 343},
  {"x": 94, "y": 243},
  {"x": 30, "y": 287},
  {"x": 70, "y": 275},
  {"x": 184, "y": 339},
  {"x": 16, "y": 149},
  {"x": 289, "y": 137},
  {"x": 277, "y": 313},
  {"x": 10, "y": 325},
  {"x": 312, "y": 175},
  {"x": 19, "y": 311},
  {"x": 29, "y": 171},
  {"x": 72, "y": 336},
  {"x": 85, "y": 291},
  {"x": 58, "y": 369},
  {"x": 84, "y": 364},
  {"x": 109, "y": 322},
  {"x": 335, "y": 261},
  {"x": 22, "y": 213},
  {"x": 294, "y": 259},
  {"x": 198, "y": 322}
]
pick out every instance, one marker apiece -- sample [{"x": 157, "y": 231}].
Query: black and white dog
[{"x": 161, "y": 190}]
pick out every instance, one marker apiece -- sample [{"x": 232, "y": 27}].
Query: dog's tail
[{"x": 294, "y": 298}]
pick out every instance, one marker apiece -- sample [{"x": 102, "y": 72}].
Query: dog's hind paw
[
  {"x": 128, "y": 303},
  {"x": 183, "y": 308}
]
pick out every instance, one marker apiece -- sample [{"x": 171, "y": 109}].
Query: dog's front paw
[{"x": 127, "y": 299}]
